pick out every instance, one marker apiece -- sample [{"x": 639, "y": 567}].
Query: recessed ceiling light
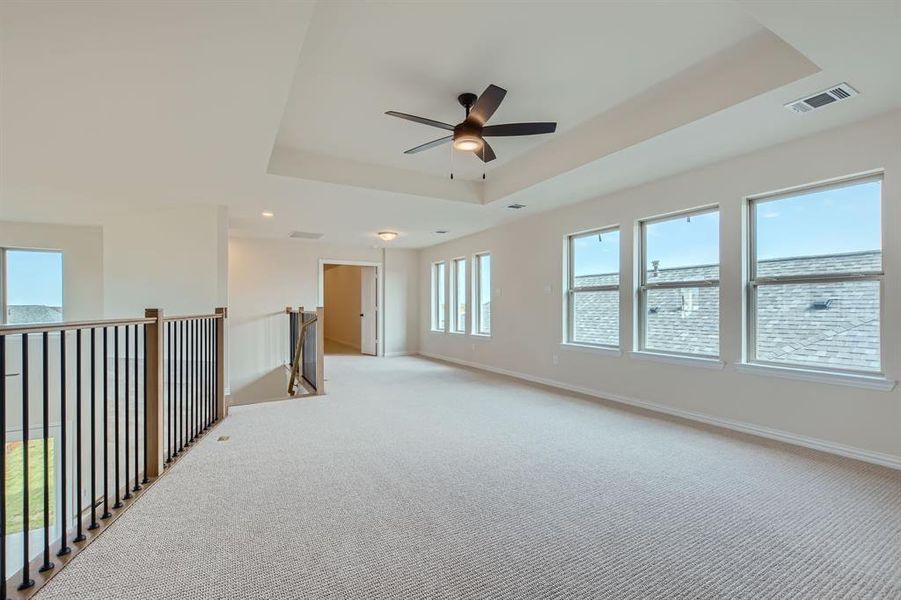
[
  {"x": 268, "y": 214},
  {"x": 441, "y": 231},
  {"x": 387, "y": 235},
  {"x": 516, "y": 206}
]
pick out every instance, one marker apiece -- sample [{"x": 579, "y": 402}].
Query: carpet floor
[{"x": 414, "y": 479}]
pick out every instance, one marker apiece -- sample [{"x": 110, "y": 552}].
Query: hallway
[{"x": 416, "y": 479}]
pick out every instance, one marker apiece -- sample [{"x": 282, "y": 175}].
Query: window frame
[
  {"x": 476, "y": 311},
  {"x": 753, "y": 282},
  {"x": 437, "y": 267},
  {"x": 571, "y": 288},
  {"x": 4, "y": 287},
  {"x": 644, "y": 286},
  {"x": 456, "y": 326}
]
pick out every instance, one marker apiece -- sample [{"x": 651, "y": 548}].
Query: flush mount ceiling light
[
  {"x": 387, "y": 235},
  {"x": 268, "y": 214}
]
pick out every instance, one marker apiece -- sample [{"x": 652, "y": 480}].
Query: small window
[
  {"x": 439, "y": 297},
  {"x": 459, "y": 295},
  {"x": 679, "y": 299},
  {"x": 482, "y": 294},
  {"x": 816, "y": 277},
  {"x": 593, "y": 289},
  {"x": 32, "y": 286}
]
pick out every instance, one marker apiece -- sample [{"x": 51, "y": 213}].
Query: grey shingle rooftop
[{"x": 821, "y": 324}]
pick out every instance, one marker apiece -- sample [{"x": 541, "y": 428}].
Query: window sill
[
  {"x": 677, "y": 359},
  {"x": 873, "y": 382},
  {"x": 483, "y": 336},
  {"x": 457, "y": 332},
  {"x": 600, "y": 350},
  {"x": 437, "y": 331}
]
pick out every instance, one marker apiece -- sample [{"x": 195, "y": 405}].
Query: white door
[{"x": 368, "y": 311}]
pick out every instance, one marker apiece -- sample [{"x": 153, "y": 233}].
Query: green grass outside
[{"x": 15, "y": 484}]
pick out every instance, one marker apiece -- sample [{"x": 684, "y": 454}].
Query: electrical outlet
[{"x": 547, "y": 289}]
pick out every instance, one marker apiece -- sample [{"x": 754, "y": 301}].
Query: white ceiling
[{"x": 108, "y": 107}]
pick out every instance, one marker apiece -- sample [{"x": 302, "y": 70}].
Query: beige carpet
[{"x": 414, "y": 479}]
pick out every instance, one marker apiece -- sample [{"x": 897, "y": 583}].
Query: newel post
[
  {"x": 154, "y": 392},
  {"x": 222, "y": 407}
]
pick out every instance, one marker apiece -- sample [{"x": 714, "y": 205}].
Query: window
[
  {"x": 815, "y": 277},
  {"x": 679, "y": 302},
  {"x": 482, "y": 294},
  {"x": 439, "y": 297},
  {"x": 32, "y": 286},
  {"x": 593, "y": 288},
  {"x": 459, "y": 295}
]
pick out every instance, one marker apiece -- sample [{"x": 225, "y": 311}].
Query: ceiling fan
[{"x": 470, "y": 134}]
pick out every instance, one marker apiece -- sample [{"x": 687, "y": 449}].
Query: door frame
[{"x": 379, "y": 293}]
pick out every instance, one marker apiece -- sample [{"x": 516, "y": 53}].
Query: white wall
[
  {"x": 401, "y": 282},
  {"x": 170, "y": 258},
  {"x": 342, "y": 304},
  {"x": 527, "y": 259},
  {"x": 82, "y": 248},
  {"x": 267, "y": 275}
]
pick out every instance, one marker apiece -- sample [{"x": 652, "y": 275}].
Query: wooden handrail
[
  {"x": 67, "y": 325},
  {"x": 190, "y": 317}
]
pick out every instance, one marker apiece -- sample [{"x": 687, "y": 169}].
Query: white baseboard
[
  {"x": 402, "y": 353},
  {"x": 878, "y": 458}
]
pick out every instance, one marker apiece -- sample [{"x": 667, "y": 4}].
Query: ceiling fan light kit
[{"x": 469, "y": 135}]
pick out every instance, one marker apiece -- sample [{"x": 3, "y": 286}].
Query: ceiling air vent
[
  {"x": 305, "y": 235},
  {"x": 516, "y": 206},
  {"x": 820, "y": 99}
]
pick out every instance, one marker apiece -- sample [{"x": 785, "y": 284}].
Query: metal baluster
[
  {"x": 216, "y": 368},
  {"x": 27, "y": 581},
  {"x": 106, "y": 512},
  {"x": 171, "y": 362},
  {"x": 45, "y": 419},
  {"x": 64, "y": 489},
  {"x": 3, "y": 467},
  {"x": 94, "y": 524},
  {"x": 184, "y": 395},
  {"x": 144, "y": 336},
  {"x": 194, "y": 387},
  {"x": 118, "y": 503},
  {"x": 137, "y": 485},
  {"x": 127, "y": 371},
  {"x": 80, "y": 537}
]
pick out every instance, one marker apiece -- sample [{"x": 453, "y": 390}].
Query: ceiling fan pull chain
[{"x": 452, "y": 161}]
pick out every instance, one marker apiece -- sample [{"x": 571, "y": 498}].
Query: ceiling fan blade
[
  {"x": 428, "y": 145},
  {"x": 487, "y": 103},
  {"x": 520, "y": 129},
  {"x": 421, "y": 120},
  {"x": 488, "y": 154}
]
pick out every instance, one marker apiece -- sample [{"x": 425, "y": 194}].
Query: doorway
[{"x": 350, "y": 295}]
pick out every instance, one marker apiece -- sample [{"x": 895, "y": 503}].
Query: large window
[
  {"x": 482, "y": 294},
  {"x": 459, "y": 295},
  {"x": 679, "y": 303},
  {"x": 815, "y": 277},
  {"x": 439, "y": 296},
  {"x": 593, "y": 288},
  {"x": 31, "y": 287}
]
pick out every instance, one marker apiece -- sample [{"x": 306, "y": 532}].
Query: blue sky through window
[
  {"x": 34, "y": 278},
  {"x": 830, "y": 221}
]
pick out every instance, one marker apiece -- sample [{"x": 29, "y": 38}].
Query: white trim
[
  {"x": 400, "y": 353},
  {"x": 480, "y": 336},
  {"x": 869, "y": 456},
  {"x": 601, "y": 350},
  {"x": 705, "y": 362},
  {"x": 860, "y": 381},
  {"x": 379, "y": 292}
]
